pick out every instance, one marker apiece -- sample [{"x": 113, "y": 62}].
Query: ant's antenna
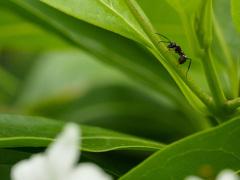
[{"x": 164, "y": 37}]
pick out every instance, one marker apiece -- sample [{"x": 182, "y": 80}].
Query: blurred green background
[
  {"x": 46, "y": 72},
  {"x": 82, "y": 73}
]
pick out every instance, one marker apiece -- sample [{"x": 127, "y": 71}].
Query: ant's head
[{"x": 172, "y": 45}]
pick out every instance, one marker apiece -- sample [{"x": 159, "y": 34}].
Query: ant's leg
[{"x": 189, "y": 66}]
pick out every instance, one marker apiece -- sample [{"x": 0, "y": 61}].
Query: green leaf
[
  {"x": 111, "y": 15},
  {"x": 235, "y": 6},
  {"x": 216, "y": 149},
  {"x": 120, "y": 53},
  {"x": 26, "y": 131}
]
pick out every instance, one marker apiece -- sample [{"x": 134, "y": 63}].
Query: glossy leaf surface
[
  {"x": 191, "y": 155},
  {"x": 26, "y": 131}
]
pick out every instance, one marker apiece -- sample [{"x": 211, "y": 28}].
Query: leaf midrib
[{"x": 125, "y": 20}]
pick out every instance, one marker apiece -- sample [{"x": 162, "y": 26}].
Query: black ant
[{"x": 172, "y": 45}]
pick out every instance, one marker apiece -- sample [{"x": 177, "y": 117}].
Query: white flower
[
  {"x": 59, "y": 162},
  {"x": 193, "y": 178},
  {"x": 225, "y": 174}
]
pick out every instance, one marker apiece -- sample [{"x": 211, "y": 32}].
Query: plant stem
[
  {"x": 234, "y": 104},
  {"x": 218, "y": 96},
  {"x": 171, "y": 60}
]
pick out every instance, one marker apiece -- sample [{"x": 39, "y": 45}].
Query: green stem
[
  {"x": 171, "y": 60},
  {"x": 218, "y": 96},
  {"x": 234, "y": 104}
]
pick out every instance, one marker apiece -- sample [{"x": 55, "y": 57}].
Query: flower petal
[
  {"x": 193, "y": 178},
  {"x": 89, "y": 171},
  {"x": 35, "y": 168},
  {"x": 227, "y": 174},
  {"x": 63, "y": 154}
]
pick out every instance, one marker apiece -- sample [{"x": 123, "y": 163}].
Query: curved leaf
[
  {"x": 215, "y": 149},
  {"x": 27, "y": 131},
  {"x": 121, "y": 53},
  {"x": 111, "y": 15}
]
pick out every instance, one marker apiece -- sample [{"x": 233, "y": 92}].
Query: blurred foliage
[
  {"x": 57, "y": 66},
  {"x": 69, "y": 84},
  {"x": 43, "y": 75}
]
